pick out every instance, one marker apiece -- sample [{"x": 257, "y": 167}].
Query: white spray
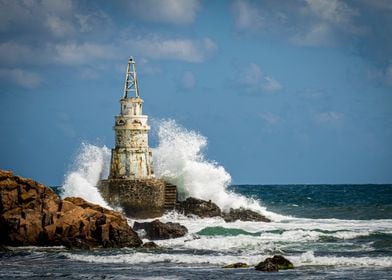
[
  {"x": 178, "y": 159},
  {"x": 91, "y": 165}
]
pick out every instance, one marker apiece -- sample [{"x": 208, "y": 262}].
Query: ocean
[{"x": 326, "y": 231}]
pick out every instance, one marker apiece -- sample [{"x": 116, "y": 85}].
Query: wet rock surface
[
  {"x": 156, "y": 230},
  {"x": 32, "y": 214},
  {"x": 243, "y": 214},
  {"x": 150, "y": 245},
  {"x": 275, "y": 263},
  {"x": 206, "y": 209},
  {"x": 237, "y": 265},
  {"x": 198, "y": 207}
]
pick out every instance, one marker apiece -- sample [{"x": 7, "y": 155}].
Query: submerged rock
[
  {"x": 198, "y": 207},
  {"x": 237, "y": 265},
  {"x": 274, "y": 264},
  {"x": 157, "y": 230},
  {"x": 243, "y": 214},
  {"x": 33, "y": 214}
]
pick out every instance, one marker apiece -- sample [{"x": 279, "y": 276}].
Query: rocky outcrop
[
  {"x": 150, "y": 245},
  {"x": 156, "y": 230},
  {"x": 206, "y": 209},
  {"x": 237, "y": 265},
  {"x": 274, "y": 264},
  {"x": 198, "y": 207},
  {"x": 32, "y": 214},
  {"x": 243, "y": 214}
]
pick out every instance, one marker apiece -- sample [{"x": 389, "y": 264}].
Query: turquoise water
[
  {"x": 327, "y": 231},
  {"x": 357, "y": 202}
]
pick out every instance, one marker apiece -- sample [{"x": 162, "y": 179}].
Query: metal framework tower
[{"x": 131, "y": 84}]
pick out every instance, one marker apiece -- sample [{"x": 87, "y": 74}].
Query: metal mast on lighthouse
[{"x": 131, "y": 84}]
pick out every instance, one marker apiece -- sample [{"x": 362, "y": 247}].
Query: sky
[{"x": 287, "y": 92}]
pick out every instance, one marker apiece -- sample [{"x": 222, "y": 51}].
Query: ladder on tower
[{"x": 170, "y": 196}]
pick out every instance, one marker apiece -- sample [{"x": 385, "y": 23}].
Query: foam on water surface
[{"x": 304, "y": 259}]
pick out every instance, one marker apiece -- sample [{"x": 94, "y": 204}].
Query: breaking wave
[
  {"x": 304, "y": 259},
  {"x": 90, "y": 165},
  {"x": 178, "y": 158}
]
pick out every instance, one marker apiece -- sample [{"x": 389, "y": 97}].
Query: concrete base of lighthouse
[{"x": 139, "y": 198}]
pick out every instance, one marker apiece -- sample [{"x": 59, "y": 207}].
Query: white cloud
[
  {"x": 326, "y": 21},
  {"x": 317, "y": 35},
  {"x": 246, "y": 15},
  {"x": 166, "y": 11},
  {"x": 253, "y": 79},
  {"x": 329, "y": 117},
  {"x": 270, "y": 118},
  {"x": 58, "y": 26},
  {"x": 334, "y": 11},
  {"x": 305, "y": 23},
  {"x": 60, "y": 18},
  {"x": 76, "y": 54},
  {"x": 188, "y": 80},
  {"x": 21, "y": 77},
  {"x": 179, "y": 49},
  {"x": 270, "y": 84},
  {"x": 16, "y": 55}
]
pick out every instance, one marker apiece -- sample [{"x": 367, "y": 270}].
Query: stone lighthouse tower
[
  {"x": 131, "y": 158},
  {"x": 131, "y": 184}
]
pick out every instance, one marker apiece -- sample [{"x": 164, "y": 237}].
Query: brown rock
[
  {"x": 157, "y": 230},
  {"x": 150, "y": 245},
  {"x": 198, "y": 207},
  {"x": 243, "y": 214},
  {"x": 275, "y": 263},
  {"x": 237, "y": 265},
  {"x": 32, "y": 214}
]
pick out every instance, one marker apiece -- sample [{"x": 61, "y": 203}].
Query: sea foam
[{"x": 305, "y": 259}]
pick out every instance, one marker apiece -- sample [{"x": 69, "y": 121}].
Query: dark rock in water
[
  {"x": 33, "y": 214},
  {"x": 157, "y": 230},
  {"x": 237, "y": 265},
  {"x": 4, "y": 249},
  {"x": 274, "y": 264},
  {"x": 205, "y": 209},
  {"x": 243, "y": 214},
  {"x": 199, "y": 207},
  {"x": 150, "y": 245}
]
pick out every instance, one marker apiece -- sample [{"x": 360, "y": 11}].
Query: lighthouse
[
  {"x": 132, "y": 185},
  {"x": 131, "y": 157}
]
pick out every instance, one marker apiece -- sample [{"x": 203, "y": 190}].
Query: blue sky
[{"x": 285, "y": 91}]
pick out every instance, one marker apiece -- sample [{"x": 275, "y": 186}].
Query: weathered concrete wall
[
  {"x": 139, "y": 198},
  {"x": 127, "y": 163},
  {"x": 131, "y": 157}
]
